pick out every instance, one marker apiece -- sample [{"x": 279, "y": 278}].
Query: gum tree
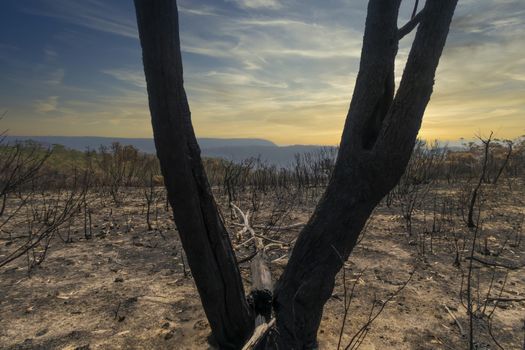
[{"x": 376, "y": 144}]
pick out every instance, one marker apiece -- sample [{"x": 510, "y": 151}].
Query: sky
[{"x": 283, "y": 70}]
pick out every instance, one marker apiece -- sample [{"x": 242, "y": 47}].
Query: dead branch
[
  {"x": 503, "y": 299},
  {"x": 273, "y": 227},
  {"x": 261, "y": 294},
  {"x": 258, "y": 335},
  {"x": 409, "y": 26},
  {"x": 495, "y": 264},
  {"x": 461, "y": 330}
]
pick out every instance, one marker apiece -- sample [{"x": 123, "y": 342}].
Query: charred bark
[
  {"x": 504, "y": 164},
  {"x": 378, "y": 138},
  {"x": 202, "y": 232},
  {"x": 369, "y": 163},
  {"x": 475, "y": 191}
]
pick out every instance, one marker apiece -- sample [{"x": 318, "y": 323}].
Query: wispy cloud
[
  {"x": 198, "y": 11},
  {"x": 93, "y": 14},
  {"x": 56, "y": 77},
  {"x": 132, "y": 77},
  {"x": 283, "y": 70},
  {"x": 258, "y": 4},
  {"x": 50, "y": 55},
  {"x": 47, "y": 105}
]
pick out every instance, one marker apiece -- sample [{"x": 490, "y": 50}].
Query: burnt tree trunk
[
  {"x": 475, "y": 192},
  {"x": 376, "y": 145},
  {"x": 203, "y": 235},
  {"x": 504, "y": 164},
  {"x": 378, "y": 138}
]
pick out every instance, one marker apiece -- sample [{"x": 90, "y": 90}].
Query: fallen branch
[
  {"x": 495, "y": 264},
  {"x": 245, "y": 242},
  {"x": 282, "y": 260},
  {"x": 258, "y": 335},
  {"x": 246, "y": 259},
  {"x": 273, "y": 246},
  {"x": 274, "y": 228},
  {"x": 506, "y": 299},
  {"x": 272, "y": 240},
  {"x": 455, "y": 320}
]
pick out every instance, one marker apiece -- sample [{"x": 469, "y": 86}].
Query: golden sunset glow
[{"x": 277, "y": 70}]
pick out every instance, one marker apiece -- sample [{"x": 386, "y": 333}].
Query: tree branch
[
  {"x": 409, "y": 26},
  {"x": 414, "y": 11}
]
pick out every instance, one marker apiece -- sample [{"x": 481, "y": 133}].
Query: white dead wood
[
  {"x": 258, "y": 335},
  {"x": 260, "y": 269},
  {"x": 275, "y": 227},
  {"x": 259, "y": 245}
]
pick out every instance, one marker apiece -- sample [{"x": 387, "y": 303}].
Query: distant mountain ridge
[
  {"x": 81, "y": 143},
  {"x": 236, "y": 149},
  {"x": 281, "y": 155}
]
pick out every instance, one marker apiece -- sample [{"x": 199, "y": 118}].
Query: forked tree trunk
[{"x": 377, "y": 142}]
